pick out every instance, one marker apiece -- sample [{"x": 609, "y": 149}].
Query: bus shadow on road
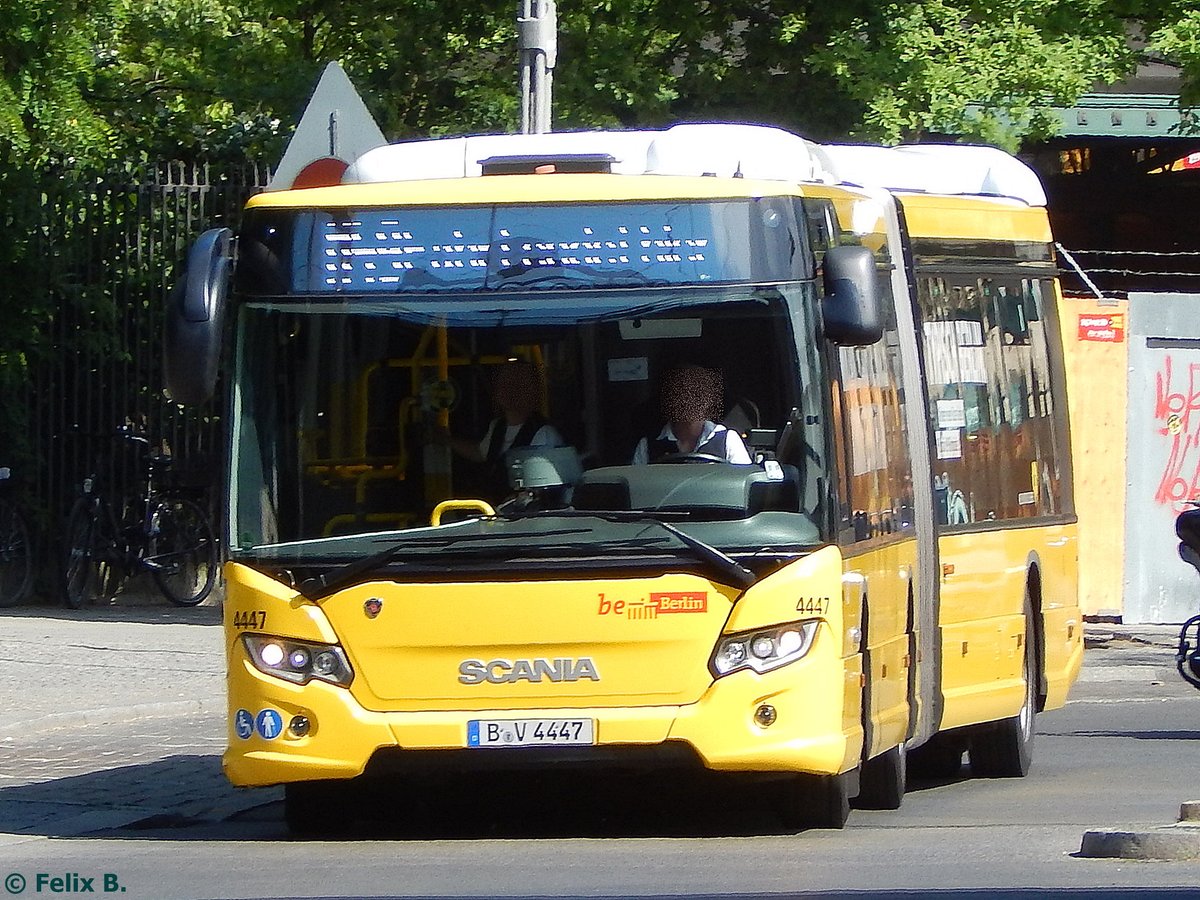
[
  {"x": 187, "y": 798},
  {"x": 185, "y": 790}
]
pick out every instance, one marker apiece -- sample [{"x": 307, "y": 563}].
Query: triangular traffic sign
[{"x": 334, "y": 131}]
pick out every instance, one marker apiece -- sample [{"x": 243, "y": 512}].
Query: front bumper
[{"x": 816, "y": 729}]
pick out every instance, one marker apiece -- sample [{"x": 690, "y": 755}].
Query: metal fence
[{"x": 97, "y": 257}]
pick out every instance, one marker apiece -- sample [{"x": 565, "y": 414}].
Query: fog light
[
  {"x": 299, "y": 726},
  {"x": 765, "y": 715}
]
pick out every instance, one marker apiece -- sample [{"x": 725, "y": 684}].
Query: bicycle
[
  {"x": 16, "y": 551},
  {"x": 153, "y": 530}
]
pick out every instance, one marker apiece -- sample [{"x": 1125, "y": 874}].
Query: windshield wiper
[
  {"x": 328, "y": 583},
  {"x": 718, "y": 559}
]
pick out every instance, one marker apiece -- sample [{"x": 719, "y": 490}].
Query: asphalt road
[{"x": 104, "y": 772}]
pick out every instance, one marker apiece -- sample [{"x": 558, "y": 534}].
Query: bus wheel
[
  {"x": 815, "y": 801},
  {"x": 883, "y": 780},
  {"x": 940, "y": 758},
  {"x": 1004, "y": 749}
]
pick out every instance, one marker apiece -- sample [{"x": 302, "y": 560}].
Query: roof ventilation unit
[{"x": 570, "y": 163}]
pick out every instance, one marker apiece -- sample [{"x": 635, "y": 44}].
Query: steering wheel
[{"x": 690, "y": 458}]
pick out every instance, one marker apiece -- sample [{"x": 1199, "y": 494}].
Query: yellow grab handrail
[{"x": 482, "y": 506}]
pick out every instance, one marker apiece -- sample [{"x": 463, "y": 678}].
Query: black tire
[
  {"x": 815, "y": 801},
  {"x": 1004, "y": 749},
  {"x": 91, "y": 564},
  {"x": 182, "y": 555},
  {"x": 884, "y": 780},
  {"x": 938, "y": 759},
  {"x": 16, "y": 555}
]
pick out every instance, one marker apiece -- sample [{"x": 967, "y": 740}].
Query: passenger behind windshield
[
  {"x": 691, "y": 398},
  {"x": 516, "y": 393}
]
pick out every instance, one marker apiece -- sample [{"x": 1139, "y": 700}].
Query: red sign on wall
[{"x": 1108, "y": 327}]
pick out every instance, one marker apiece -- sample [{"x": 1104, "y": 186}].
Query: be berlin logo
[{"x": 66, "y": 883}]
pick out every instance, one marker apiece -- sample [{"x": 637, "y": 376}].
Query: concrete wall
[{"x": 1163, "y": 454}]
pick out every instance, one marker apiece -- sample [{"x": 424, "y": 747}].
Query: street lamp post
[{"x": 537, "y": 39}]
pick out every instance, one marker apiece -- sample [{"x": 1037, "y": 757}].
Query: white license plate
[{"x": 530, "y": 732}]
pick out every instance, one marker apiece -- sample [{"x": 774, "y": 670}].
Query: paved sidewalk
[
  {"x": 85, "y": 667},
  {"x": 113, "y": 717}
]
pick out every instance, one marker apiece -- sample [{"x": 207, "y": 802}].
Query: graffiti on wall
[{"x": 1177, "y": 419}]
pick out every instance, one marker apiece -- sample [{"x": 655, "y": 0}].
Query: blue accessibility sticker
[
  {"x": 269, "y": 723},
  {"x": 243, "y": 723}
]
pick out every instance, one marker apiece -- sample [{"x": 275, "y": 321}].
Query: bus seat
[{"x": 742, "y": 416}]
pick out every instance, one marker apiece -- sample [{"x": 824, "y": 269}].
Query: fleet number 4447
[
  {"x": 255, "y": 619},
  {"x": 812, "y": 606}
]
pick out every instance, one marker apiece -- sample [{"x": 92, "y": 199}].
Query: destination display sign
[{"x": 529, "y": 247}]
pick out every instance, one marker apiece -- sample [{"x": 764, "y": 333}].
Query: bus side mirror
[
  {"x": 852, "y": 308},
  {"x": 195, "y": 319}
]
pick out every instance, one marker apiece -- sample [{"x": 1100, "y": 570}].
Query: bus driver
[{"x": 691, "y": 398}]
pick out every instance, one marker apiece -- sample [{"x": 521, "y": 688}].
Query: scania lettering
[
  {"x": 890, "y": 582},
  {"x": 501, "y": 671}
]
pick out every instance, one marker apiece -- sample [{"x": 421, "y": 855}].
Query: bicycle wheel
[
  {"x": 90, "y": 571},
  {"x": 16, "y": 555},
  {"x": 182, "y": 555}
]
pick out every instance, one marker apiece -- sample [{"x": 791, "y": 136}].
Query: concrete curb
[
  {"x": 1171, "y": 842},
  {"x": 114, "y": 715},
  {"x": 1145, "y": 674}
]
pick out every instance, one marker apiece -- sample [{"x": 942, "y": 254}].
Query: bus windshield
[{"x": 342, "y": 414}]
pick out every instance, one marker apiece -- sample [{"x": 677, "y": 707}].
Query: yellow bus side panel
[
  {"x": 887, "y": 571},
  {"x": 1064, "y": 652},
  {"x": 975, "y": 218},
  {"x": 984, "y": 575},
  {"x": 889, "y": 695},
  {"x": 981, "y": 670}
]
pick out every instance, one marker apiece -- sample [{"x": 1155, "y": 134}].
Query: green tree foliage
[
  {"x": 101, "y": 79},
  {"x": 46, "y": 71},
  {"x": 981, "y": 69},
  {"x": 1173, "y": 32}
]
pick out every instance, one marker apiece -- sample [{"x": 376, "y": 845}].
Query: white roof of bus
[
  {"x": 935, "y": 169},
  {"x": 726, "y": 150}
]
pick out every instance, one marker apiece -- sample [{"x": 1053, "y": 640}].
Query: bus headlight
[
  {"x": 763, "y": 649},
  {"x": 298, "y": 661}
]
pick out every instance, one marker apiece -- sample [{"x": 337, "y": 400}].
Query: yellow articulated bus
[{"x": 865, "y": 559}]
